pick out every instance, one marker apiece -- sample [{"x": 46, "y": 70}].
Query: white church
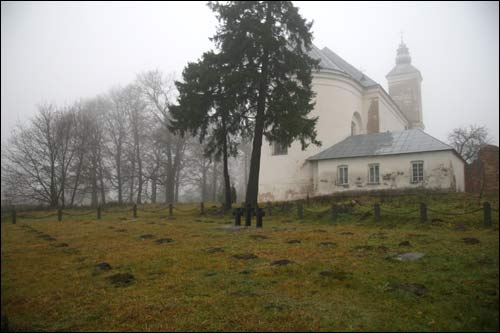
[{"x": 371, "y": 139}]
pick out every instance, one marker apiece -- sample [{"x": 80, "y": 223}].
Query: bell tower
[{"x": 404, "y": 87}]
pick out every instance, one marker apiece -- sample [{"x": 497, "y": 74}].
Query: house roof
[
  {"x": 331, "y": 61},
  {"x": 388, "y": 143}
]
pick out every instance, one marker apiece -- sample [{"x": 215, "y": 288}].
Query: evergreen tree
[{"x": 264, "y": 48}]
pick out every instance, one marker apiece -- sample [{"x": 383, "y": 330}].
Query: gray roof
[
  {"x": 331, "y": 61},
  {"x": 388, "y": 143}
]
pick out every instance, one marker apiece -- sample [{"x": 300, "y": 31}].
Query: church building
[{"x": 371, "y": 139}]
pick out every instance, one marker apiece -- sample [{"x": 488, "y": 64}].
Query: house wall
[
  {"x": 442, "y": 170},
  {"x": 290, "y": 177}
]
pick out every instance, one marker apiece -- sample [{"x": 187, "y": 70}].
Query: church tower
[{"x": 404, "y": 87}]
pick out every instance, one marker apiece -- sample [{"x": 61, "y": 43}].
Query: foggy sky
[{"x": 61, "y": 52}]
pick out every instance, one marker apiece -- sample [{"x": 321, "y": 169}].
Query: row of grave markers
[{"x": 249, "y": 211}]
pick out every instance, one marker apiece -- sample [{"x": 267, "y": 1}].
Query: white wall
[{"x": 442, "y": 170}]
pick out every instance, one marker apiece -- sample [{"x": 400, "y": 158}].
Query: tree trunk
[
  {"x": 214, "y": 181},
  {"x": 227, "y": 184}
]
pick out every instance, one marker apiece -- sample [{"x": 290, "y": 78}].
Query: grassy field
[{"x": 291, "y": 275}]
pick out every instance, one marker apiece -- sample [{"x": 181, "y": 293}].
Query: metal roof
[
  {"x": 388, "y": 143},
  {"x": 331, "y": 61}
]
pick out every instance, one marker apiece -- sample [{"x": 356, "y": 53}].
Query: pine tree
[{"x": 264, "y": 48}]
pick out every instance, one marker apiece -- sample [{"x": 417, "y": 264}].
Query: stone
[
  {"x": 415, "y": 288},
  {"x": 121, "y": 279},
  {"x": 405, "y": 243},
  {"x": 281, "y": 262},
  {"x": 328, "y": 244},
  {"x": 408, "y": 256},
  {"x": 164, "y": 240},
  {"x": 293, "y": 241},
  {"x": 471, "y": 240},
  {"x": 245, "y": 256},
  {"x": 210, "y": 273},
  {"x": 230, "y": 227},
  {"x": 346, "y": 233},
  {"x": 103, "y": 266}
]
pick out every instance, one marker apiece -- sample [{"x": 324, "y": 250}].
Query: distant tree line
[{"x": 113, "y": 147}]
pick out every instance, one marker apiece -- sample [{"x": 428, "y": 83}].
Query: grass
[{"x": 339, "y": 277}]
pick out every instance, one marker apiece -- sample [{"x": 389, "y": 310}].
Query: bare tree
[
  {"x": 468, "y": 140},
  {"x": 158, "y": 91}
]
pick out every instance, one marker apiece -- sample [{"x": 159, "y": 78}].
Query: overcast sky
[{"x": 61, "y": 52}]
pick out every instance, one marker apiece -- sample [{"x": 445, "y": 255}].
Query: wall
[
  {"x": 442, "y": 170},
  {"x": 482, "y": 174}
]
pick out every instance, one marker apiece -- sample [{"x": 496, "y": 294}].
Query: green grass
[{"x": 180, "y": 286}]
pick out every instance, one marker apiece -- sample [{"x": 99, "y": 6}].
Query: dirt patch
[
  {"x": 471, "y": 240},
  {"x": 320, "y": 231},
  {"x": 121, "y": 230},
  {"x": 121, "y": 279},
  {"x": 405, "y": 243},
  {"x": 245, "y": 256},
  {"x": 214, "y": 250},
  {"x": 164, "y": 240},
  {"x": 281, "y": 262},
  {"x": 293, "y": 241},
  {"x": 364, "y": 247},
  {"x": 337, "y": 274},
  {"x": 103, "y": 266},
  {"x": 328, "y": 244},
  {"x": 61, "y": 245},
  {"x": 461, "y": 227},
  {"x": 414, "y": 288},
  {"x": 382, "y": 248},
  {"x": 246, "y": 271},
  {"x": 48, "y": 238},
  {"x": 437, "y": 220},
  {"x": 146, "y": 236},
  {"x": 258, "y": 237},
  {"x": 346, "y": 233}
]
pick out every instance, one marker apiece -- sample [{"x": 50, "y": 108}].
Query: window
[
  {"x": 343, "y": 178},
  {"x": 373, "y": 175},
  {"x": 279, "y": 149},
  {"x": 417, "y": 171}
]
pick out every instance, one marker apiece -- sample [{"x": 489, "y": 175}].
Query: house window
[
  {"x": 343, "y": 178},
  {"x": 373, "y": 175},
  {"x": 417, "y": 171},
  {"x": 279, "y": 149}
]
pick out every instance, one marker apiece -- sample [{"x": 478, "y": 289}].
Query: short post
[
  {"x": 135, "y": 211},
  {"x": 223, "y": 208},
  {"x": 260, "y": 214},
  {"x": 170, "y": 209},
  {"x": 299, "y": 210},
  {"x": 307, "y": 199},
  {"x": 59, "y": 214},
  {"x": 269, "y": 208},
  {"x": 14, "y": 217},
  {"x": 248, "y": 216},
  {"x": 99, "y": 212},
  {"x": 334, "y": 212},
  {"x": 202, "y": 208},
  {"x": 237, "y": 217},
  {"x": 376, "y": 209},
  {"x": 423, "y": 212},
  {"x": 487, "y": 214}
]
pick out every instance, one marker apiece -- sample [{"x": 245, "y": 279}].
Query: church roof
[
  {"x": 388, "y": 143},
  {"x": 331, "y": 61}
]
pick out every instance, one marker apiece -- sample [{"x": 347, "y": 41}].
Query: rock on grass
[
  {"x": 103, "y": 266},
  {"x": 405, "y": 243},
  {"x": 146, "y": 236},
  {"x": 214, "y": 250},
  {"x": 258, "y": 237},
  {"x": 121, "y": 279},
  {"x": 293, "y": 241},
  {"x": 61, "y": 245},
  {"x": 335, "y": 274}
]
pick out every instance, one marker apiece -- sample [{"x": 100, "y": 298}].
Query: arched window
[{"x": 356, "y": 124}]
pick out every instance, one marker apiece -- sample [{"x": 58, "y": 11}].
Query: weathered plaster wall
[
  {"x": 482, "y": 174},
  {"x": 442, "y": 170},
  {"x": 289, "y": 177}
]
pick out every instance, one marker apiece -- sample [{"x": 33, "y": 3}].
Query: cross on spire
[{"x": 401, "y": 32}]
